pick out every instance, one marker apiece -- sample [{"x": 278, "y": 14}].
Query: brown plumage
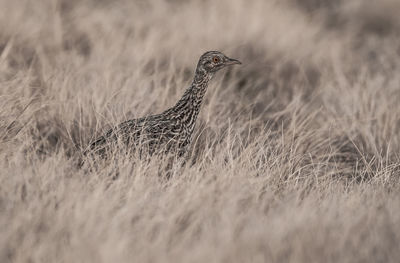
[{"x": 171, "y": 130}]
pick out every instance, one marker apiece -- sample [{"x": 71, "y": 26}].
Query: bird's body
[{"x": 171, "y": 130}]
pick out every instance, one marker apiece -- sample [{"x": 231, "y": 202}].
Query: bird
[{"x": 170, "y": 131}]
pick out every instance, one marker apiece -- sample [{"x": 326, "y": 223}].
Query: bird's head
[{"x": 212, "y": 61}]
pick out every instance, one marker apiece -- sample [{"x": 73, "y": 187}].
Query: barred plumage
[{"x": 171, "y": 130}]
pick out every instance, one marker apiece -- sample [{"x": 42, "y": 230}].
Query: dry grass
[{"x": 295, "y": 156}]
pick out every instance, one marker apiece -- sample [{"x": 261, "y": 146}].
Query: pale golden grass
[{"x": 295, "y": 157}]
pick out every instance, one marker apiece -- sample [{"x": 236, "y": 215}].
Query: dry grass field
[{"x": 295, "y": 156}]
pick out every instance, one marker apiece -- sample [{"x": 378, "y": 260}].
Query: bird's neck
[{"x": 188, "y": 107}]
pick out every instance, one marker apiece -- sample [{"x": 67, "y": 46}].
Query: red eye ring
[{"x": 215, "y": 59}]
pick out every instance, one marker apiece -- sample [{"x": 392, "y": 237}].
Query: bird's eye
[{"x": 215, "y": 59}]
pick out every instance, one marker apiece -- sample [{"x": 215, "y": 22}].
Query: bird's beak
[{"x": 232, "y": 61}]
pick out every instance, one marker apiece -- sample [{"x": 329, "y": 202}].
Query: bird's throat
[{"x": 188, "y": 107}]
